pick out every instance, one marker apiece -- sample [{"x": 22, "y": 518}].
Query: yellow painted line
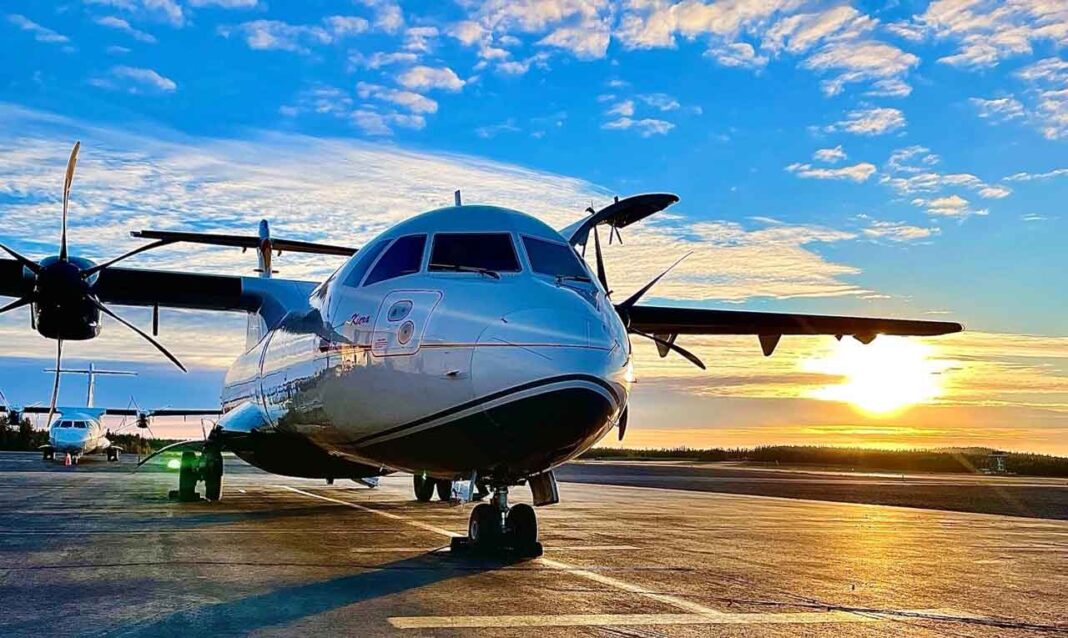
[{"x": 608, "y": 620}]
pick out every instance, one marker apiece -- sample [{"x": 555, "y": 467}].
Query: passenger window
[
  {"x": 492, "y": 252},
  {"x": 556, "y": 260},
  {"x": 364, "y": 259},
  {"x": 403, "y": 258}
]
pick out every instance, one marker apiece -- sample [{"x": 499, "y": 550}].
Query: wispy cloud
[
  {"x": 114, "y": 22},
  {"x": 135, "y": 80},
  {"x": 40, "y": 33},
  {"x": 870, "y": 121},
  {"x": 426, "y": 78},
  {"x": 856, "y": 173}
]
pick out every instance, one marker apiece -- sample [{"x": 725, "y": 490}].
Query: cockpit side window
[
  {"x": 478, "y": 251},
  {"x": 65, "y": 424},
  {"x": 364, "y": 259},
  {"x": 404, "y": 257},
  {"x": 553, "y": 259},
  {"x": 80, "y": 424}
]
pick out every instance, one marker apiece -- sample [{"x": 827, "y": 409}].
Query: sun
[{"x": 882, "y": 378}]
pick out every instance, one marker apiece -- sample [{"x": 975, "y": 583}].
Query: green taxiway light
[{"x": 174, "y": 464}]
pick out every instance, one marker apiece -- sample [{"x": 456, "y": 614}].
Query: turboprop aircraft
[
  {"x": 468, "y": 343},
  {"x": 79, "y": 430}
]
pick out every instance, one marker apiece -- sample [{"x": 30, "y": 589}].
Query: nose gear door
[{"x": 401, "y": 320}]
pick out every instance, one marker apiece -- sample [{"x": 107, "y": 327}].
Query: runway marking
[
  {"x": 387, "y": 550},
  {"x": 607, "y": 620},
  {"x": 674, "y": 601}
]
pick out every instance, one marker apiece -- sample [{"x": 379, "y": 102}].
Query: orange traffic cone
[{"x": 67, "y": 460}]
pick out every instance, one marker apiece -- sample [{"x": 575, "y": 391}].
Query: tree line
[{"x": 962, "y": 460}]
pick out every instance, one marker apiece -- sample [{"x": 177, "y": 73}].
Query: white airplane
[
  {"x": 79, "y": 430},
  {"x": 469, "y": 343}
]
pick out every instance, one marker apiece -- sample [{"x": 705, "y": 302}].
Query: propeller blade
[
  {"x": 16, "y": 304},
  {"x": 89, "y": 272},
  {"x": 623, "y": 418},
  {"x": 104, "y": 309},
  {"x": 689, "y": 356},
  {"x": 71, "y": 163},
  {"x": 602, "y": 276},
  {"x": 25, "y": 261},
  {"x": 55, "y": 384},
  {"x": 633, "y": 299}
]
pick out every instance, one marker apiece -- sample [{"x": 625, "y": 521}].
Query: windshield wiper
[
  {"x": 458, "y": 268},
  {"x": 582, "y": 278}
]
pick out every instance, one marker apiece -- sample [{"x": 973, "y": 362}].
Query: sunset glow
[{"x": 883, "y": 378}]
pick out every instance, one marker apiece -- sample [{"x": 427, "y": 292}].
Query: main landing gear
[
  {"x": 113, "y": 455},
  {"x": 208, "y": 467},
  {"x": 426, "y": 486}
]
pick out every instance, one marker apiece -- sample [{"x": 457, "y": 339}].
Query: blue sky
[{"x": 878, "y": 158}]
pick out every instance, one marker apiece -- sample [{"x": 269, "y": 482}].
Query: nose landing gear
[{"x": 495, "y": 527}]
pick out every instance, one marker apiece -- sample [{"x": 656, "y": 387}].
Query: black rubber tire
[
  {"x": 187, "y": 475},
  {"x": 523, "y": 526},
  {"x": 484, "y": 528},
  {"x": 113, "y": 456},
  {"x": 212, "y": 474},
  {"x": 424, "y": 488},
  {"x": 444, "y": 487}
]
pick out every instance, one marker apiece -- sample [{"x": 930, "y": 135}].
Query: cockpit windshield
[
  {"x": 81, "y": 424},
  {"x": 555, "y": 260},
  {"x": 477, "y": 252}
]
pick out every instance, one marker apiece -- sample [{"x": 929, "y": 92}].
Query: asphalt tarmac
[{"x": 95, "y": 550}]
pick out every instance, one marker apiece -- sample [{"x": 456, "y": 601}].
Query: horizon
[{"x": 830, "y": 159}]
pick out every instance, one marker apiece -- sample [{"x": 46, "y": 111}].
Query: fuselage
[
  {"x": 467, "y": 339},
  {"x": 77, "y": 433}
]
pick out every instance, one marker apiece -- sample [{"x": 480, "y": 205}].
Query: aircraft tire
[
  {"x": 523, "y": 526},
  {"x": 187, "y": 476},
  {"x": 484, "y": 528},
  {"x": 213, "y": 474},
  {"x": 424, "y": 488},
  {"x": 444, "y": 488}
]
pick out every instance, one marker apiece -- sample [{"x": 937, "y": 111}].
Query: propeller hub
[{"x": 62, "y": 304}]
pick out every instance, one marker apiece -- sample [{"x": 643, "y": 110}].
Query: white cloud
[
  {"x": 420, "y": 39},
  {"x": 425, "y": 78},
  {"x": 737, "y": 54},
  {"x": 949, "y": 206},
  {"x": 587, "y": 41},
  {"x": 830, "y": 155},
  {"x": 870, "y": 121},
  {"x": 114, "y": 22},
  {"x": 994, "y": 192},
  {"x": 800, "y": 32},
  {"x": 1028, "y": 177},
  {"x": 660, "y": 101},
  {"x": 896, "y": 231},
  {"x": 277, "y": 35},
  {"x": 987, "y": 32},
  {"x": 388, "y": 15},
  {"x": 493, "y": 130},
  {"x": 860, "y": 61},
  {"x": 900, "y": 160},
  {"x": 224, "y": 4},
  {"x": 856, "y": 173},
  {"x": 135, "y": 80},
  {"x": 410, "y": 100},
  {"x": 40, "y": 33},
  {"x": 1003, "y": 108},
  {"x": 381, "y": 59},
  {"x": 646, "y": 127},
  {"x": 623, "y": 109},
  {"x": 374, "y": 122}
]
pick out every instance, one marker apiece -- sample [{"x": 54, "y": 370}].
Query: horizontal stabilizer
[{"x": 244, "y": 241}]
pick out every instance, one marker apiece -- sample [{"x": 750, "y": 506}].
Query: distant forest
[{"x": 962, "y": 460}]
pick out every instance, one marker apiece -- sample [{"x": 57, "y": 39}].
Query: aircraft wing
[
  {"x": 769, "y": 326},
  {"x": 170, "y": 289},
  {"x": 162, "y": 412}
]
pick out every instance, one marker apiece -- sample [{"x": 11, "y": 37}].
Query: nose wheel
[
  {"x": 495, "y": 527},
  {"x": 207, "y": 468}
]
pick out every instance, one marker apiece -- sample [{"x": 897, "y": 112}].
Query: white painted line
[
  {"x": 607, "y": 620},
  {"x": 674, "y": 601}
]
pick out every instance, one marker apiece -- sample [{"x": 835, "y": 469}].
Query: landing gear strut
[
  {"x": 425, "y": 487},
  {"x": 495, "y": 527}
]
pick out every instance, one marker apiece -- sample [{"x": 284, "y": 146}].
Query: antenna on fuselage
[
  {"x": 456, "y": 198},
  {"x": 92, "y": 371}
]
